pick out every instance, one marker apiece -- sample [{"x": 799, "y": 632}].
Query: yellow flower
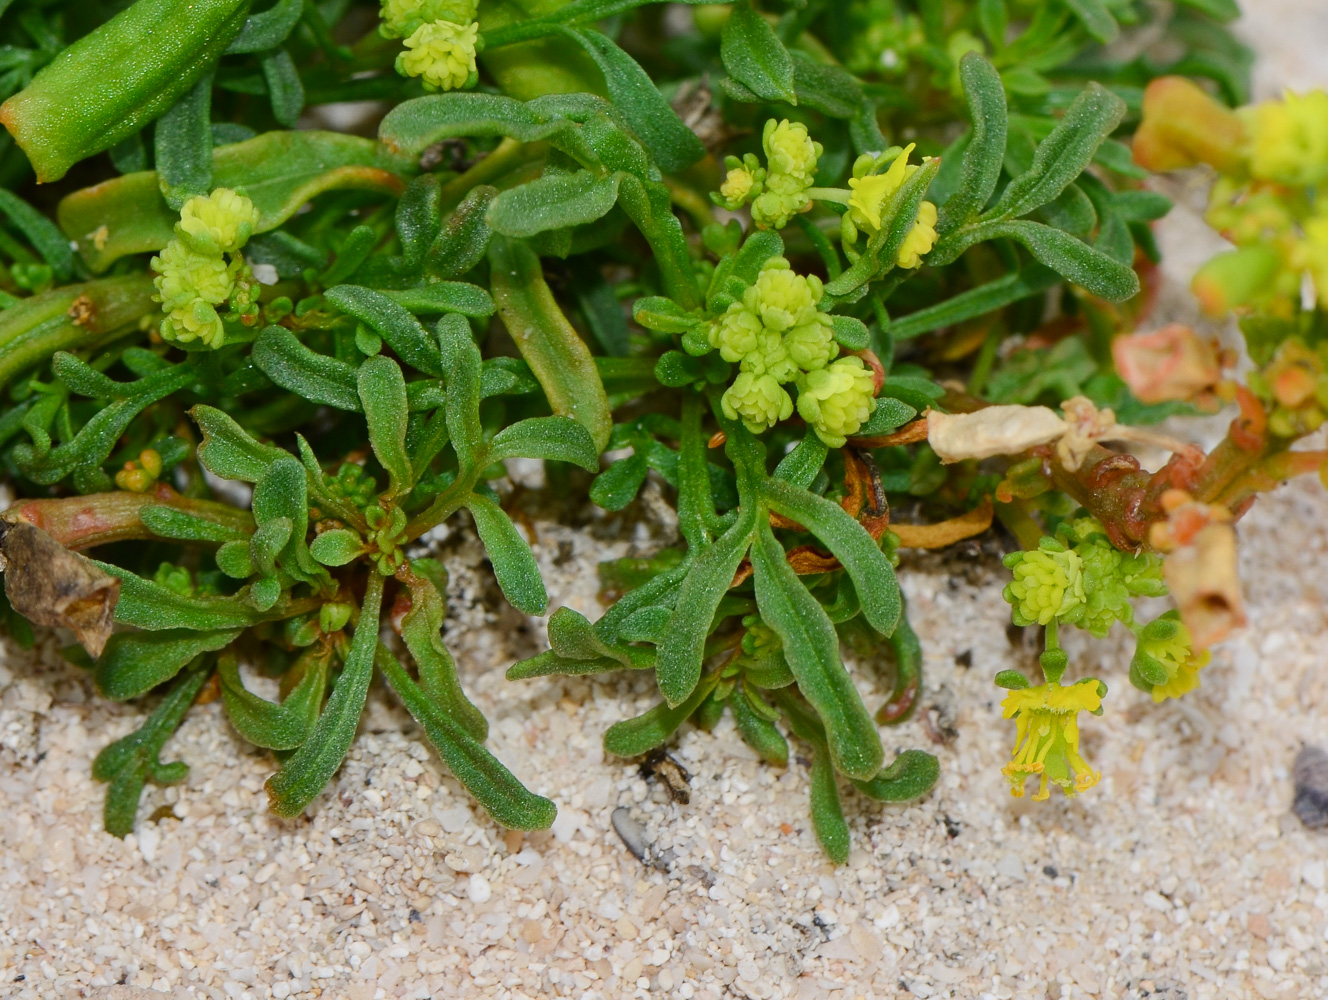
[
  {"x": 1289, "y": 138},
  {"x": 1165, "y": 647},
  {"x": 791, "y": 156},
  {"x": 920, "y": 239},
  {"x": 1047, "y": 739},
  {"x": 872, "y": 192},
  {"x": 220, "y": 222},
  {"x": 441, "y": 53}
]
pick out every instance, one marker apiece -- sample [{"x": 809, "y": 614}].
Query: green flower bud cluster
[
  {"x": 1080, "y": 579},
  {"x": 352, "y": 483},
  {"x": 385, "y": 529},
  {"x": 193, "y": 275},
  {"x": 1048, "y": 583},
  {"x": 781, "y": 190},
  {"x": 777, "y": 335},
  {"x": 837, "y": 400},
  {"x": 441, "y": 39},
  {"x": 402, "y": 18}
]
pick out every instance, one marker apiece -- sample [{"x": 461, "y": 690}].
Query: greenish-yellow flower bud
[
  {"x": 837, "y": 400},
  {"x": 402, "y": 18},
  {"x": 184, "y": 275},
  {"x": 220, "y": 222},
  {"x": 441, "y": 54},
  {"x": 1048, "y": 583},
  {"x": 759, "y": 401}
]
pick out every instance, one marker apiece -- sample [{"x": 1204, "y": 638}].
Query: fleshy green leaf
[
  {"x": 276, "y": 727},
  {"x": 382, "y": 390},
  {"x": 133, "y": 663},
  {"x": 678, "y": 667},
  {"x": 812, "y": 650},
  {"x": 391, "y": 321},
  {"x": 755, "y": 57},
  {"x": 311, "y": 767},
  {"x": 227, "y": 449},
  {"x": 495, "y": 788},
  {"x": 553, "y": 201},
  {"x": 513, "y": 563}
]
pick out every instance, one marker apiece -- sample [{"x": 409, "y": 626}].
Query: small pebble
[
  {"x": 1309, "y": 776},
  {"x": 632, "y": 833},
  {"x": 478, "y": 889}
]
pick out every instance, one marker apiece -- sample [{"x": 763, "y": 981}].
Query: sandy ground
[{"x": 1182, "y": 875}]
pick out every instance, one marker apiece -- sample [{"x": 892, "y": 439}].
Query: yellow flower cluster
[
  {"x": 441, "y": 54},
  {"x": 193, "y": 275}
]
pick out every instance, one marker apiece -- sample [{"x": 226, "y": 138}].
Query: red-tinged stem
[{"x": 100, "y": 518}]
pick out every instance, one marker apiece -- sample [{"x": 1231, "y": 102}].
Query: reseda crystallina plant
[{"x": 737, "y": 245}]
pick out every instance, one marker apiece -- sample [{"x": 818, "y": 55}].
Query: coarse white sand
[{"x": 1182, "y": 875}]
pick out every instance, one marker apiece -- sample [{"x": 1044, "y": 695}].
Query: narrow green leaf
[
  {"x": 495, "y": 788},
  {"x": 461, "y": 359},
  {"x": 392, "y": 322},
  {"x": 133, "y": 663},
  {"x": 1031, "y": 280},
  {"x": 867, "y": 565},
  {"x": 421, "y": 629},
  {"x": 827, "y": 812},
  {"x": 1096, "y": 19},
  {"x": 754, "y": 55},
  {"x": 671, "y": 144},
  {"x": 149, "y": 605},
  {"x": 311, "y": 767},
  {"x": 985, "y": 154},
  {"x": 912, "y": 774},
  {"x": 633, "y": 737},
  {"x": 45, "y": 238},
  {"x": 129, "y": 763},
  {"x": 316, "y": 377},
  {"x": 554, "y": 439},
  {"x": 812, "y": 650},
  {"x": 284, "y": 89},
  {"x": 800, "y": 466},
  {"x": 1063, "y": 155},
  {"x": 1073, "y": 259},
  {"x": 556, "y": 353},
  {"x": 268, "y": 29},
  {"x": 276, "y": 727},
  {"x": 553, "y": 201},
  {"x": 171, "y": 522},
  {"x": 464, "y": 240},
  {"x": 617, "y": 486},
  {"x": 183, "y": 145},
  {"x": 678, "y": 667},
  {"x": 446, "y": 297},
  {"x": 513, "y": 563},
  {"x": 227, "y": 449},
  {"x": 382, "y": 390},
  {"x": 757, "y": 731}
]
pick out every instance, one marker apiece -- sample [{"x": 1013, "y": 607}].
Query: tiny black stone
[
  {"x": 965, "y": 659},
  {"x": 1050, "y": 871},
  {"x": 414, "y": 917},
  {"x": 952, "y": 827}
]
